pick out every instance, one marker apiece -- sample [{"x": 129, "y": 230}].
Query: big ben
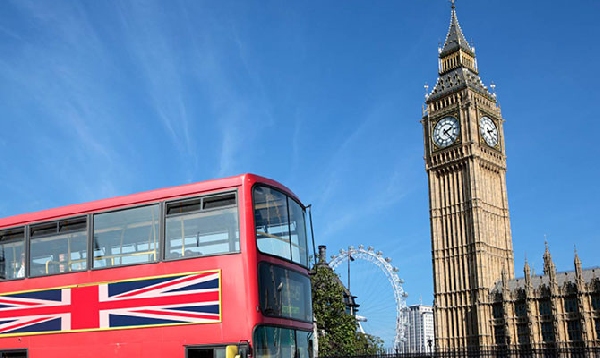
[{"x": 466, "y": 166}]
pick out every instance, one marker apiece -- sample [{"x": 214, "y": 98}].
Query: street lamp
[
  {"x": 350, "y": 301},
  {"x": 429, "y": 342}
]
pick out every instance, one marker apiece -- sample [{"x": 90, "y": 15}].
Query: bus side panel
[{"x": 235, "y": 326}]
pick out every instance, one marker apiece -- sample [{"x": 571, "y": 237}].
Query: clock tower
[{"x": 466, "y": 167}]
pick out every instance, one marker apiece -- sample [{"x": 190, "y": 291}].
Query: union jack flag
[{"x": 181, "y": 299}]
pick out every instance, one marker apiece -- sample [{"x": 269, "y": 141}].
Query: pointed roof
[
  {"x": 549, "y": 267},
  {"x": 455, "y": 39},
  {"x": 588, "y": 276},
  {"x": 552, "y": 279},
  {"x": 459, "y": 77},
  {"x": 527, "y": 271},
  {"x": 577, "y": 261},
  {"x": 578, "y": 270},
  {"x": 456, "y": 80},
  {"x": 527, "y": 268}
]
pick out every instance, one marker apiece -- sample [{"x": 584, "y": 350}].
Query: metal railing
[{"x": 558, "y": 351}]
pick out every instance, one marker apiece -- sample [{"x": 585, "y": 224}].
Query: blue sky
[{"x": 104, "y": 98}]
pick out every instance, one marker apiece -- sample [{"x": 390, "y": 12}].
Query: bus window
[
  {"x": 12, "y": 261},
  {"x": 126, "y": 237},
  {"x": 280, "y": 225},
  {"x": 284, "y": 293},
  {"x": 305, "y": 344},
  {"x": 202, "y": 226},
  {"x": 13, "y": 354},
  {"x": 298, "y": 236},
  {"x": 278, "y": 342},
  {"x": 58, "y": 246},
  {"x": 206, "y": 352}
]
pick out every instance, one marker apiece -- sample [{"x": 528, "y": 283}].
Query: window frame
[
  {"x": 12, "y": 237},
  {"x": 303, "y": 259},
  {"x": 85, "y": 225},
  {"x": 203, "y": 200},
  {"x": 258, "y": 344},
  {"x": 189, "y": 350},
  {"x": 278, "y": 310},
  {"x": 54, "y": 231},
  {"x": 157, "y": 250}
]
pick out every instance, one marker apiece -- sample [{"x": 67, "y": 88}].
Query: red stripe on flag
[
  {"x": 164, "y": 284},
  {"x": 84, "y": 308},
  {"x": 22, "y": 324}
]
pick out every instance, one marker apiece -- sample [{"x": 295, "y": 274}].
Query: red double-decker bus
[{"x": 214, "y": 269}]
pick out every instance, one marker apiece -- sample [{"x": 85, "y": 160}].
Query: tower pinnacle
[
  {"x": 455, "y": 39},
  {"x": 457, "y": 65}
]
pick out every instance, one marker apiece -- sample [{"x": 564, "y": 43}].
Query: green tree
[
  {"x": 335, "y": 327},
  {"x": 367, "y": 344}
]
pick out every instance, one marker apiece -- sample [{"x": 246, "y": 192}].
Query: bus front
[{"x": 285, "y": 329}]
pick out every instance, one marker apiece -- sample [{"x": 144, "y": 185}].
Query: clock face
[
  {"x": 489, "y": 131},
  {"x": 446, "y": 131}
]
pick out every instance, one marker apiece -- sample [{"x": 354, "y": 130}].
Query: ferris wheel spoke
[{"x": 376, "y": 309}]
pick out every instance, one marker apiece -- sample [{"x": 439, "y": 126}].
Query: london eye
[{"x": 374, "y": 281}]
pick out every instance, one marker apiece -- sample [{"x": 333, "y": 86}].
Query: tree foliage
[
  {"x": 335, "y": 328},
  {"x": 369, "y": 345}
]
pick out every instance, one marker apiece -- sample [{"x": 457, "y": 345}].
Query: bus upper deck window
[{"x": 280, "y": 225}]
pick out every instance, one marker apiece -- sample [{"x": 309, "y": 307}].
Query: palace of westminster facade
[{"x": 478, "y": 303}]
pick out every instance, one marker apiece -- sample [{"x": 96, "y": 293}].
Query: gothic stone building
[
  {"x": 477, "y": 301},
  {"x": 556, "y": 309}
]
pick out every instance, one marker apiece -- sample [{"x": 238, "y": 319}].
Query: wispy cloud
[
  {"x": 354, "y": 186},
  {"x": 56, "y": 72},
  {"x": 155, "y": 47},
  {"x": 233, "y": 92},
  {"x": 232, "y": 139}
]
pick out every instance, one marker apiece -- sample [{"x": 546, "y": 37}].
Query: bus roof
[{"x": 138, "y": 198}]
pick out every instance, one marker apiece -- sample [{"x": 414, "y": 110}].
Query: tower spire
[
  {"x": 457, "y": 65},
  {"x": 549, "y": 267},
  {"x": 455, "y": 39},
  {"x": 578, "y": 270},
  {"x": 527, "y": 271}
]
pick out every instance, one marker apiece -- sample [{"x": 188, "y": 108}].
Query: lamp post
[
  {"x": 350, "y": 300},
  {"x": 349, "y": 293},
  {"x": 429, "y": 341}
]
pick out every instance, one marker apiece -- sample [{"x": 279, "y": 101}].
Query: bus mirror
[{"x": 231, "y": 352}]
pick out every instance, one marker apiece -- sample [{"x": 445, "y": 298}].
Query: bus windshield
[
  {"x": 278, "y": 342},
  {"x": 280, "y": 225}
]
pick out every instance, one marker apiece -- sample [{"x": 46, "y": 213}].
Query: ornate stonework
[
  {"x": 552, "y": 310},
  {"x": 466, "y": 166},
  {"x": 478, "y": 303}
]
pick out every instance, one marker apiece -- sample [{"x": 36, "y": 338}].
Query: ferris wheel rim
[{"x": 384, "y": 264}]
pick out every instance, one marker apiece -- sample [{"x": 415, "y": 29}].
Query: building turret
[
  {"x": 578, "y": 272},
  {"x": 527, "y": 272},
  {"x": 550, "y": 269}
]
